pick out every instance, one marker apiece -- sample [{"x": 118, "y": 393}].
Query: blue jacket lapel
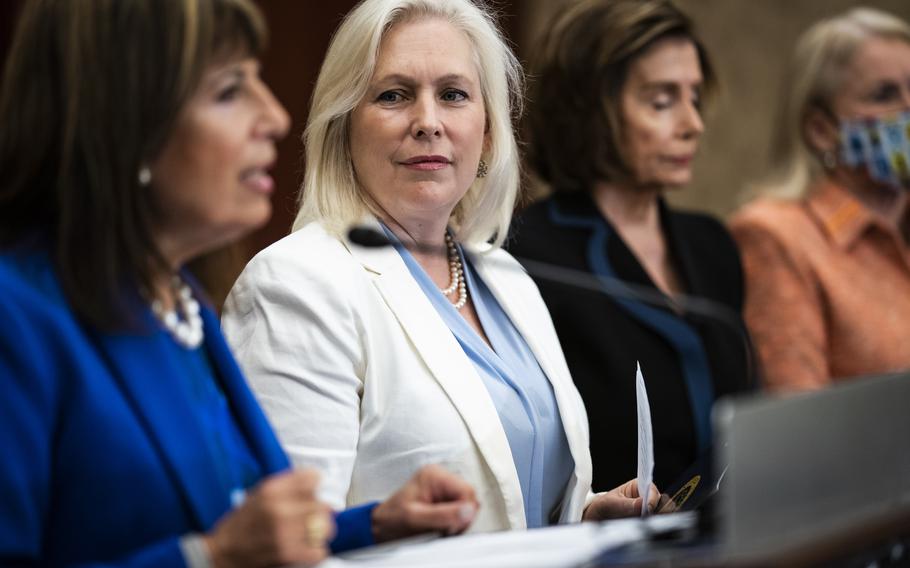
[
  {"x": 684, "y": 339},
  {"x": 145, "y": 367},
  {"x": 250, "y": 419}
]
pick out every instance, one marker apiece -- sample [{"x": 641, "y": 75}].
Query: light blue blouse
[{"x": 521, "y": 392}]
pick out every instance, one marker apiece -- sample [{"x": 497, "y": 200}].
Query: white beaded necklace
[
  {"x": 456, "y": 275},
  {"x": 187, "y": 332}
]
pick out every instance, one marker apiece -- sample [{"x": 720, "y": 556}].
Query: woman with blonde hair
[
  {"x": 825, "y": 252},
  {"x": 436, "y": 349}
]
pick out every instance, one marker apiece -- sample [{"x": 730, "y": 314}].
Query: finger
[
  {"x": 312, "y": 557},
  {"x": 653, "y": 498},
  {"x": 305, "y": 483},
  {"x": 665, "y": 505},
  {"x": 297, "y": 487},
  {"x": 302, "y": 537},
  {"x": 318, "y": 527},
  {"x": 452, "y": 488},
  {"x": 625, "y": 506},
  {"x": 298, "y": 484},
  {"x": 449, "y": 518},
  {"x": 290, "y": 504},
  {"x": 628, "y": 489},
  {"x": 612, "y": 506},
  {"x": 446, "y": 486}
]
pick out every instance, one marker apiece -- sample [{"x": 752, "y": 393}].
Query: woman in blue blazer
[{"x": 136, "y": 136}]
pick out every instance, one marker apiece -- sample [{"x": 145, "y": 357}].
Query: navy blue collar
[{"x": 579, "y": 211}]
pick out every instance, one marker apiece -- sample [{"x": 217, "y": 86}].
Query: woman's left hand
[
  {"x": 622, "y": 501},
  {"x": 432, "y": 500}
]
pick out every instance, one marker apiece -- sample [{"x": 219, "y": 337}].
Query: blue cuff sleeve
[{"x": 354, "y": 528}]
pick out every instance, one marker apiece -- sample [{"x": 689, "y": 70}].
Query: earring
[
  {"x": 482, "y": 169},
  {"x": 829, "y": 160},
  {"x": 145, "y": 176}
]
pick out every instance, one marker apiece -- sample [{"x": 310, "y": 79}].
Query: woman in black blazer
[{"x": 615, "y": 122}]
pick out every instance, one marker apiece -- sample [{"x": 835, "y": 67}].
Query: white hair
[
  {"x": 817, "y": 72},
  {"x": 330, "y": 192}
]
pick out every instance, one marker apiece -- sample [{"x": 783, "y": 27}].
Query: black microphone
[
  {"x": 613, "y": 287},
  {"x": 367, "y": 237}
]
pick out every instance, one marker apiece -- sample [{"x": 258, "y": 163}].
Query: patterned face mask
[{"x": 881, "y": 145}]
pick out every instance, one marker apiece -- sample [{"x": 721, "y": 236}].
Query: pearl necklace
[
  {"x": 456, "y": 275},
  {"x": 187, "y": 332}
]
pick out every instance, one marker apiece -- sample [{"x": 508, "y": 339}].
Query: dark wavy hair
[
  {"x": 90, "y": 93},
  {"x": 574, "y": 125}
]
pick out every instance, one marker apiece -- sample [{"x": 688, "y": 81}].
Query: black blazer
[{"x": 603, "y": 338}]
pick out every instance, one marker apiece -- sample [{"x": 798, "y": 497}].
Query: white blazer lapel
[
  {"x": 454, "y": 372},
  {"x": 519, "y": 297}
]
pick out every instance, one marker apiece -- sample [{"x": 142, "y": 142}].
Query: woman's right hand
[
  {"x": 622, "y": 501},
  {"x": 280, "y": 522},
  {"x": 432, "y": 500}
]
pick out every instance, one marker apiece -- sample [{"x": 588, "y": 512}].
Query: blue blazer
[{"x": 104, "y": 459}]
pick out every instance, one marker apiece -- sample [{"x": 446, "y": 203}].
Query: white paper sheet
[
  {"x": 645, "y": 440},
  {"x": 561, "y": 546}
]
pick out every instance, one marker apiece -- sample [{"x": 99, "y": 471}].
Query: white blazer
[{"x": 363, "y": 380}]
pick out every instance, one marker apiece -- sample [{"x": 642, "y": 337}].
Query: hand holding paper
[
  {"x": 623, "y": 501},
  {"x": 645, "y": 440}
]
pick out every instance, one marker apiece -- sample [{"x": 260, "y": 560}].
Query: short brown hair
[
  {"x": 91, "y": 92},
  {"x": 574, "y": 120}
]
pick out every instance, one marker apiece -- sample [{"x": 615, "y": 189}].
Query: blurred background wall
[{"x": 750, "y": 40}]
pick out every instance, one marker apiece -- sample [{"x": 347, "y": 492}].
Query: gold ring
[{"x": 316, "y": 530}]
